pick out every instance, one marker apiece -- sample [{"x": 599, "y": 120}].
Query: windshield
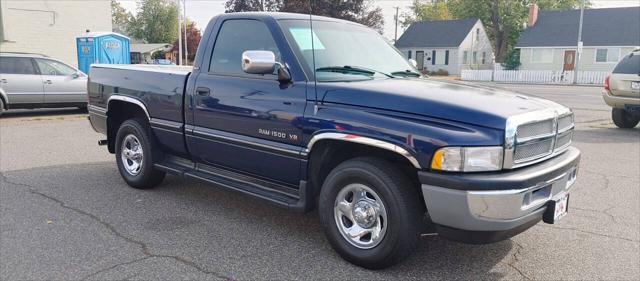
[{"x": 345, "y": 52}]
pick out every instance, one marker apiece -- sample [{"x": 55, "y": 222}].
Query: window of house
[
  {"x": 484, "y": 57},
  {"x": 465, "y": 57},
  {"x": 477, "y": 33},
  {"x": 542, "y": 55},
  {"x": 608, "y": 55},
  {"x": 433, "y": 57},
  {"x": 446, "y": 57},
  {"x": 409, "y": 54},
  {"x": 235, "y": 37},
  {"x": 475, "y": 57}
]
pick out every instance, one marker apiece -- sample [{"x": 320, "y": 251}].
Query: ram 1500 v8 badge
[{"x": 327, "y": 114}]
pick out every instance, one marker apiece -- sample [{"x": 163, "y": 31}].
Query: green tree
[
  {"x": 120, "y": 18},
  {"x": 426, "y": 11},
  {"x": 156, "y": 21},
  {"x": 361, "y": 11},
  {"x": 512, "y": 60}
]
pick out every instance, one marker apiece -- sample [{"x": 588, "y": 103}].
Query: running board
[{"x": 299, "y": 200}]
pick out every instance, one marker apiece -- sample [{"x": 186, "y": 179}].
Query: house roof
[
  {"x": 436, "y": 34},
  {"x": 148, "y": 48},
  {"x": 601, "y": 27}
]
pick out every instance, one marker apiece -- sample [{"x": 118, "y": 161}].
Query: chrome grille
[
  {"x": 533, "y": 150},
  {"x": 535, "y": 130},
  {"x": 564, "y": 139},
  {"x": 535, "y": 136},
  {"x": 565, "y": 123}
]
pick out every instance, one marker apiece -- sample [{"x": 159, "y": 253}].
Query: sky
[{"x": 201, "y": 11}]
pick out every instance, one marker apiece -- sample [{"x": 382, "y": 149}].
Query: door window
[
  {"x": 15, "y": 65},
  {"x": 235, "y": 37},
  {"x": 50, "y": 67}
]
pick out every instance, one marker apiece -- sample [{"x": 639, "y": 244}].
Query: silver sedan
[{"x": 36, "y": 81}]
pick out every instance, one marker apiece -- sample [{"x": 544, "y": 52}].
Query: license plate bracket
[{"x": 556, "y": 210}]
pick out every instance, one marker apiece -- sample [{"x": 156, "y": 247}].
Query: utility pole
[
  {"x": 395, "y": 35},
  {"x": 186, "y": 49},
  {"x": 579, "y": 47},
  {"x": 179, "y": 37}
]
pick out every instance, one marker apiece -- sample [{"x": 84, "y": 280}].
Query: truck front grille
[
  {"x": 533, "y": 150},
  {"x": 549, "y": 133}
]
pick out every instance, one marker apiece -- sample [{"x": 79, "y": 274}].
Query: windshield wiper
[
  {"x": 406, "y": 73},
  {"x": 352, "y": 69}
]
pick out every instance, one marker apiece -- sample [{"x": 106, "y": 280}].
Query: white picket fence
[{"x": 534, "y": 76}]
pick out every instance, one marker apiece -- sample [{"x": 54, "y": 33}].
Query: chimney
[{"x": 533, "y": 15}]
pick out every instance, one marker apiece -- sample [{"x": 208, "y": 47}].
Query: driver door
[{"x": 62, "y": 83}]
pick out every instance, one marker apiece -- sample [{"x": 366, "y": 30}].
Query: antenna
[{"x": 313, "y": 58}]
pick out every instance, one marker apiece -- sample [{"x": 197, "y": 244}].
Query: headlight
[{"x": 468, "y": 159}]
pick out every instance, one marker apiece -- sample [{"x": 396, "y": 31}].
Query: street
[{"x": 66, "y": 214}]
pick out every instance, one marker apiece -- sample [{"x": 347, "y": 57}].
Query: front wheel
[
  {"x": 371, "y": 212},
  {"x": 623, "y": 118},
  {"x": 135, "y": 155}
]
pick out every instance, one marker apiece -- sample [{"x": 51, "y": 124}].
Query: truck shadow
[{"x": 239, "y": 236}]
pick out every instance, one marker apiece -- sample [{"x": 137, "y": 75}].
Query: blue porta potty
[{"x": 102, "y": 47}]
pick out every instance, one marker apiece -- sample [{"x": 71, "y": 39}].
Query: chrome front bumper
[{"x": 498, "y": 202}]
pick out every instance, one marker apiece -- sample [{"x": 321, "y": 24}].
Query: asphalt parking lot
[{"x": 66, "y": 214}]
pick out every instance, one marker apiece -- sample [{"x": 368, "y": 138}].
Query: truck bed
[{"x": 159, "y": 88}]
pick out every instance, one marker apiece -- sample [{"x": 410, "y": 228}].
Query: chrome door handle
[{"x": 47, "y": 82}]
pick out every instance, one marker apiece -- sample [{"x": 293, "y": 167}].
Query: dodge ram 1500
[{"x": 314, "y": 112}]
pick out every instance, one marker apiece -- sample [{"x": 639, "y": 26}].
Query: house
[
  {"x": 550, "y": 40},
  {"x": 451, "y": 45},
  {"x": 50, "y": 27},
  {"x": 143, "y": 53}
]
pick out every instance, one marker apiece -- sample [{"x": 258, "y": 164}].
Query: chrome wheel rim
[
  {"x": 360, "y": 216},
  {"x": 131, "y": 154}
]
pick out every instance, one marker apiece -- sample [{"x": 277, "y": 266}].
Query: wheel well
[
  {"x": 4, "y": 102},
  {"x": 327, "y": 154},
  {"x": 120, "y": 111}
]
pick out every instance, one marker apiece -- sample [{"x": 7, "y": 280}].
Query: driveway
[{"x": 66, "y": 214}]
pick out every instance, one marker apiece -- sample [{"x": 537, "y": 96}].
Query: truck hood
[{"x": 475, "y": 105}]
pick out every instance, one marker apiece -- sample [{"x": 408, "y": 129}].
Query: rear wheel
[
  {"x": 136, "y": 153},
  {"x": 371, "y": 212},
  {"x": 1, "y": 106},
  {"x": 623, "y": 118}
]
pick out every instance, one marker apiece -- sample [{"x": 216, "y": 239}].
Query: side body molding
[
  {"x": 366, "y": 141},
  {"x": 129, "y": 100}
]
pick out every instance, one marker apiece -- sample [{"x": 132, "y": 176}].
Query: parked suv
[
  {"x": 622, "y": 91},
  {"x": 35, "y": 81}
]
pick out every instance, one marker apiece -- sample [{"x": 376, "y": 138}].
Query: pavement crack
[
  {"x": 593, "y": 233},
  {"x": 113, "y": 266},
  {"x": 515, "y": 259},
  {"x": 144, "y": 248},
  {"x": 605, "y": 212}
]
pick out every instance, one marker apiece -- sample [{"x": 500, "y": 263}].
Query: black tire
[
  {"x": 146, "y": 177},
  {"x": 1, "y": 106},
  {"x": 404, "y": 211},
  {"x": 623, "y": 119}
]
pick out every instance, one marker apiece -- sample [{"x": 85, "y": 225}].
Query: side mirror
[
  {"x": 75, "y": 75},
  {"x": 413, "y": 62},
  {"x": 264, "y": 62},
  {"x": 258, "y": 62}
]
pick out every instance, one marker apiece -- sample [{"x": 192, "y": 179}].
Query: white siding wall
[
  {"x": 36, "y": 31},
  {"x": 451, "y": 67},
  {"x": 587, "y": 62},
  {"x": 478, "y": 44}
]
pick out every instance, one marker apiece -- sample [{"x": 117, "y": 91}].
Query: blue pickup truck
[{"x": 314, "y": 112}]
